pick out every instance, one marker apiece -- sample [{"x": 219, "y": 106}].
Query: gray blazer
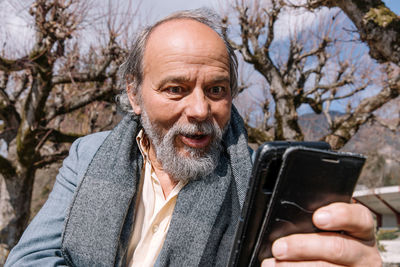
[{"x": 88, "y": 218}]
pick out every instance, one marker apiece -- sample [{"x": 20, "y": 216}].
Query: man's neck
[{"x": 166, "y": 181}]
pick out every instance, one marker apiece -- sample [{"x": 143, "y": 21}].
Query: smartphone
[
  {"x": 308, "y": 179},
  {"x": 266, "y": 168}
]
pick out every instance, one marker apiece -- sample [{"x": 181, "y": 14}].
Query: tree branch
[
  {"x": 49, "y": 159},
  {"x": 355, "y": 91},
  {"x": 347, "y": 126},
  {"x": 24, "y": 79},
  {"x": 319, "y": 49},
  {"x": 78, "y": 77},
  {"x": 61, "y": 137},
  {"x": 377, "y": 25},
  {"x": 34, "y": 113},
  {"x": 326, "y": 87},
  {"x": 327, "y": 114},
  {"x": 94, "y": 76},
  {"x": 8, "y": 113},
  {"x": 6, "y": 168},
  {"x": 55, "y": 136},
  {"x": 391, "y": 126},
  {"x": 9, "y": 65},
  {"x": 244, "y": 28},
  {"x": 81, "y": 101},
  {"x": 272, "y": 17}
]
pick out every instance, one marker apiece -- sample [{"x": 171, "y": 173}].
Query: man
[{"x": 166, "y": 186}]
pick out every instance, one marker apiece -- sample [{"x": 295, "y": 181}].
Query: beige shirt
[{"x": 153, "y": 214}]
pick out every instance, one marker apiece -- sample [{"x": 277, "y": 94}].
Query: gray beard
[{"x": 199, "y": 163}]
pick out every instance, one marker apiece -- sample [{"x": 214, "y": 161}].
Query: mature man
[{"x": 166, "y": 186}]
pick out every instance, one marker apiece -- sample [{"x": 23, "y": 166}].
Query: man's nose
[{"x": 198, "y": 107}]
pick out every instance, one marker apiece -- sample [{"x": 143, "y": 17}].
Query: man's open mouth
[
  {"x": 195, "y": 136},
  {"x": 196, "y": 140}
]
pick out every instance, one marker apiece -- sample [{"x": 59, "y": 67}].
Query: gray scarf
[{"x": 100, "y": 220}]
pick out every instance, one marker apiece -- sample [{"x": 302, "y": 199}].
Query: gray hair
[{"x": 131, "y": 71}]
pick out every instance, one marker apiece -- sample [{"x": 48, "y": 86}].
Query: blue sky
[
  {"x": 150, "y": 11},
  {"x": 394, "y": 5},
  {"x": 159, "y": 8}
]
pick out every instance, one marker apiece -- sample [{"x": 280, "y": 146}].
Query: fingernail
[
  {"x": 322, "y": 218},
  {"x": 279, "y": 248}
]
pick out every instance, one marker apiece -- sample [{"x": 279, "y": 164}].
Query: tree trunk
[
  {"x": 347, "y": 126},
  {"x": 287, "y": 127},
  {"x": 15, "y": 202}
]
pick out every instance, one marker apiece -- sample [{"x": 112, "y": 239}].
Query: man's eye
[
  {"x": 217, "y": 90},
  {"x": 175, "y": 90}
]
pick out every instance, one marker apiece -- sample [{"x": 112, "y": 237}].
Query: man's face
[{"x": 185, "y": 83}]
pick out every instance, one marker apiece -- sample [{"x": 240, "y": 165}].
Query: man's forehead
[
  {"x": 184, "y": 33},
  {"x": 182, "y": 42},
  {"x": 177, "y": 25}
]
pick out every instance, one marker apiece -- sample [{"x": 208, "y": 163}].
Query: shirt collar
[{"x": 143, "y": 144}]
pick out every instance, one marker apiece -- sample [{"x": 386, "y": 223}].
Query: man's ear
[{"x": 133, "y": 98}]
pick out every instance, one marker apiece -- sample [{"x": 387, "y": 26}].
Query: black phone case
[
  {"x": 308, "y": 180},
  {"x": 265, "y": 171}
]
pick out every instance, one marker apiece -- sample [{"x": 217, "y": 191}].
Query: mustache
[{"x": 198, "y": 128}]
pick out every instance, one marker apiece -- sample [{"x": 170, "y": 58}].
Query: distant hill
[
  {"x": 315, "y": 126},
  {"x": 370, "y": 137},
  {"x": 379, "y": 144}
]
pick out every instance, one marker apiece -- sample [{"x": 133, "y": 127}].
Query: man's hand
[{"x": 354, "y": 246}]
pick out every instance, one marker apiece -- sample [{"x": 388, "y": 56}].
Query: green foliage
[{"x": 384, "y": 234}]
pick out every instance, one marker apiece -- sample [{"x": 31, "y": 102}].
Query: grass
[{"x": 386, "y": 234}]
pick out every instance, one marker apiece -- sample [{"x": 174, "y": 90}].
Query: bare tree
[
  {"x": 316, "y": 66},
  {"x": 58, "y": 78},
  {"x": 379, "y": 28}
]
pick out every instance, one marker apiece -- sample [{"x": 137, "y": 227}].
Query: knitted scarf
[{"x": 100, "y": 220}]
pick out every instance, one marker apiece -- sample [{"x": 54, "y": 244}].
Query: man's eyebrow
[
  {"x": 184, "y": 79},
  {"x": 220, "y": 79},
  {"x": 173, "y": 79}
]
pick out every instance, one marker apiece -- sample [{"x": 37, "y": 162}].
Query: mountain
[
  {"x": 370, "y": 137},
  {"x": 315, "y": 126},
  {"x": 378, "y": 143}
]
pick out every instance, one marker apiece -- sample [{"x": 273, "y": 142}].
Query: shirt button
[{"x": 155, "y": 228}]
